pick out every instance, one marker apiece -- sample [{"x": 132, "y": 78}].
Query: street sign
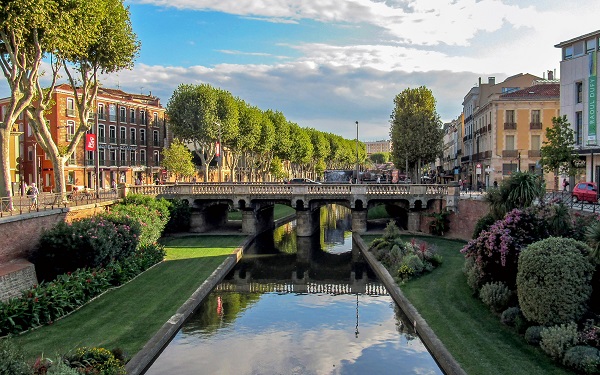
[{"x": 478, "y": 169}]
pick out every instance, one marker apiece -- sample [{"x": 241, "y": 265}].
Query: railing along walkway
[{"x": 19, "y": 205}]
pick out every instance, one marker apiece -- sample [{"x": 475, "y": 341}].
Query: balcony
[
  {"x": 112, "y": 140},
  {"x": 465, "y": 159},
  {"x": 101, "y": 139},
  {"x": 534, "y": 153},
  {"x": 156, "y": 123},
  {"x": 535, "y": 125},
  {"x": 89, "y": 162},
  {"x": 101, "y": 116},
  {"x": 156, "y": 143},
  {"x": 510, "y": 153},
  {"x": 510, "y": 126},
  {"x": 142, "y": 142},
  {"x": 132, "y": 142},
  {"x": 112, "y": 118},
  {"x": 111, "y": 163},
  {"x": 70, "y": 112}
]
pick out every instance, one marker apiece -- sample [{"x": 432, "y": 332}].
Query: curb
[
  {"x": 439, "y": 352},
  {"x": 145, "y": 357}
]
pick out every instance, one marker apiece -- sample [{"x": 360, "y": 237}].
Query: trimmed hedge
[{"x": 554, "y": 281}]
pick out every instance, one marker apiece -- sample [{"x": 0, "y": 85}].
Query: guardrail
[{"x": 19, "y": 205}]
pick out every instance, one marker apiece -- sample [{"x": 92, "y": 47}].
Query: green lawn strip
[
  {"x": 279, "y": 211},
  {"x": 471, "y": 332},
  {"x": 378, "y": 212},
  {"x": 127, "y": 317}
]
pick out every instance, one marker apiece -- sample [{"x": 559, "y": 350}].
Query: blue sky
[{"x": 328, "y": 63}]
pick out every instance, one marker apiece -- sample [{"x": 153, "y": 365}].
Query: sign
[
  {"x": 592, "y": 100},
  {"x": 90, "y": 142},
  {"x": 218, "y": 149},
  {"x": 478, "y": 169}
]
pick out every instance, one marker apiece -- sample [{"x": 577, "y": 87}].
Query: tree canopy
[
  {"x": 557, "y": 151},
  {"x": 177, "y": 159}
]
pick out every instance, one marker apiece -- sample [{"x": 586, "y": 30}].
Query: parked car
[
  {"x": 302, "y": 181},
  {"x": 585, "y": 192}
]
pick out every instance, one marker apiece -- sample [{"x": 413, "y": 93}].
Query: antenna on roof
[{"x": 141, "y": 90}]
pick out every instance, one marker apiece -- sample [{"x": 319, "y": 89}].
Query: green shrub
[
  {"x": 510, "y": 316},
  {"x": 413, "y": 262},
  {"x": 60, "y": 368},
  {"x": 553, "y": 281},
  {"x": 484, "y": 223},
  {"x": 179, "y": 216},
  {"x": 47, "y": 302},
  {"x": 12, "y": 360},
  {"x": 583, "y": 359},
  {"x": 496, "y": 295},
  {"x": 96, "y": 361},
  {"x": 557, "y": 339},
  {"x": 533, "y": 335},
  {"x": 161, "y": 205},
  {"x": 474, "y": 275},
  {"x": 151, "y": 220}
]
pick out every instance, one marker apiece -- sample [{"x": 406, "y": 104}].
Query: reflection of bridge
[
  {"x": 310, "y": 287},
  {"x": 211, "y": 202}
]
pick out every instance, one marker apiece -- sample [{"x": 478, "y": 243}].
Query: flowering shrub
[
  {"x": 557, "y": 339},
  {"x": 496, "y": 251},
  {"x": 43, "y": 304},
  {"x": 404, "y": 259},
  {"x": 151, "y": 221},
  {"x": 88, "y": 242},
  {"x": 96, "y": 361}
]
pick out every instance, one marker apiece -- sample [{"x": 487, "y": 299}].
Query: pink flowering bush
[{"x": 494, "y": 254}]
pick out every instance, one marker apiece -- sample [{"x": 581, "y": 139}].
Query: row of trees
[
  {"x": 81, "y": 39},
  {"x": 204, "y": 117}
]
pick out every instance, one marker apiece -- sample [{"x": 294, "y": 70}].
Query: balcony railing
[
  {"x": 70, "y": 112},
  {"x": 510, "y": 126},
  {"x": 112, "y": 140},
  {"x": 101, "y": 139},
  {"x": 534, "y": 153},
  {"x": 510, "y": 153},
  {"x": 112, "y": 118},
  {"x": 90, "y": 162},
  {"x": 156, "y": 143},
  {"x": 132, "y": 142},
  {"x": 535, "y": 125},
  {"x": 101, "y": 116},
  {"x": 142, "y": 142}
]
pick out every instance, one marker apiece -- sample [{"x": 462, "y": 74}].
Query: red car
[{"x": 585, "y": 192}]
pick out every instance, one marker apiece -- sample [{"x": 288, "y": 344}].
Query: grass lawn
[
  {"x": 128, "y": 317},
  {"x": 279, "y": 211},
  {"x": 474, "y": 335}
]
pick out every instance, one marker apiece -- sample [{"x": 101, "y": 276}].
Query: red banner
[
  {"x": 90, "y": 142},
  {"x": 218, "y": 149}
]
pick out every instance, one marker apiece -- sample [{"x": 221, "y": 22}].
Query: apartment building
[
  {"x": 374, "y": 147},
  {"x": 484, "y": 117},
  {"x": 130, "y": 129},
  {"x": 449, "y": 166},
  {"x": 579, "y": 97}
]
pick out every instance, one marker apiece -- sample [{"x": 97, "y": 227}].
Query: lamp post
[{"x": 357, "y": 152}]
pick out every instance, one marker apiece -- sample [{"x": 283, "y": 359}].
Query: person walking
[
  {"x": 565, "y": 185},
  {"x": 33, "y": 193}
]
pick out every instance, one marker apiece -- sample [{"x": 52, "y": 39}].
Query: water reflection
[{"x": 310, "y": 309}]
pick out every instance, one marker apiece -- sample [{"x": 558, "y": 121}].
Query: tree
[
  {"x": 105, "y": 43},
  {"x": 177, "y": 159},
  {"x": 558, "y": 152},
  {"x": 416, "y": 131},
  {"x": 380, "y": 157},
  {"x": 520, "y": 191}
]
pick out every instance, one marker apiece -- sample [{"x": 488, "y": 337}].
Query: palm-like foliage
[
  {"x": 592, "y": 236},
  {"x": 521, "y": 190}
]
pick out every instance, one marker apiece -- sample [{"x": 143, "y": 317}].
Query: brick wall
[
  {"x": 462, "y": 222},
  {"x": 16, "y": 276}
]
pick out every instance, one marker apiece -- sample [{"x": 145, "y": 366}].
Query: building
[
  {"x": 579, "y": 97},
  {"x": 374, "y": 147},
  {"x": 131, "y": 131},
  {"x": 484, "y": 127},
  {"x": 450, "y": 164}
]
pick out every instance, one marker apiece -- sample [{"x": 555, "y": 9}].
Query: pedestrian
[
  {"x": 461, "y": 184},
  {"x": 378, "y": 179},
  {"x": 33, "y": 192},
  {"x": 495, "y": 184},
  {"x": 565, "y": 185}
]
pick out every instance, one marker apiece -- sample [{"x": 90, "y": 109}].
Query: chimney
[
  {"x": 479, "y": 81},
  {"x": 550, "y": 75},
  {"x": 492, "y": 80}
]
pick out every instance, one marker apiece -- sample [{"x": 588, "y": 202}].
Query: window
[
  {"x": 156, "y": 158},
  {"x": 535, "y": 142},
  {"x": 123, "y": 135},
  {"x": 155, "y": 118},
  {"x": 510, "y": 116},
  {"x": 590, "y": 45},
  {"x": 155, "y": 138},
  {"x": 122, "y": 114},
  {"x": 112, "y": 112},
  {"x": 101, "y": 113},
  {"x": 70, "y": 107},
  {"x": 508, "y": 169},
  {"x": 132, "y": 136},
  {"x": 535, "y": 116},
  {"x": 132, "y": 115},
  {"x": 578, "y": 48},
  {"x": 112, "y": 154},
  {"x": 132, "y": 157},
  {"x": 509, "y": 142},
  {"x": 123, "y": 158},
  {"x": 101, "y": 134},
  {"x": 89, "y": 156},
  {"x": 143, "y": 118},
  {"x": 70, "y": 129},
  {"x": 578, "y": 128},
  {"x": 101, "y": 156},
  {"x": 568, "y": 52},
  {"x": 579, "y": 92},
  {"x": 143, "y": 157},
  {"x": 142, "y": 137},
  {"x": 112, "y": 134}
]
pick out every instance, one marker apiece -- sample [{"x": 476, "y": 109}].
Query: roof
[
  {"x": 543, "y": 91},
  {"x": 581, "y": 37}
]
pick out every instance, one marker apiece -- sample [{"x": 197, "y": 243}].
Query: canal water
[{"x": 298, "y": 306}]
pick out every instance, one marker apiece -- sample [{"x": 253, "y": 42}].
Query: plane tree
[{"x": 557, "y": 152}]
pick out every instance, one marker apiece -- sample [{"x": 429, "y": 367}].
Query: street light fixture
[{"x": 357, "y": 152}]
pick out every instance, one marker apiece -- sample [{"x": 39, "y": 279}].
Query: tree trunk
[
  {"x": 5, "y": 190},
  {"x": 58, "y": 163}
]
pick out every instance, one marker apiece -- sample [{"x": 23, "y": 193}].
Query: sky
[{"x": 326, "y": 64}]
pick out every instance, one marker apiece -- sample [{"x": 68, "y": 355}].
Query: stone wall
[
  {"x": 16, "y": 276},
  {"x": 462, "y": 222}
]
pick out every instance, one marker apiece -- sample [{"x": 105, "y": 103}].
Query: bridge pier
[
  {"x": 359, "y": 221},
  {"x": 307, "y": 222},
  {"x": 414, "y": 221},
  {"x": 258, "y": 219}
]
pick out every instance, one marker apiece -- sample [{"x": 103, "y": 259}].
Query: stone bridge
[{"x": 210, "y": 203}]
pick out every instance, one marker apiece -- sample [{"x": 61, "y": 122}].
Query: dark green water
[{"x": 298, "y": 306}]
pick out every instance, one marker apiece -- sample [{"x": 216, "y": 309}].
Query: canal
[{"x": 298, "y": 305}]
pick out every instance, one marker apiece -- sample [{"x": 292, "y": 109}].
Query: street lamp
[{"x": 357, "y": 152}]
